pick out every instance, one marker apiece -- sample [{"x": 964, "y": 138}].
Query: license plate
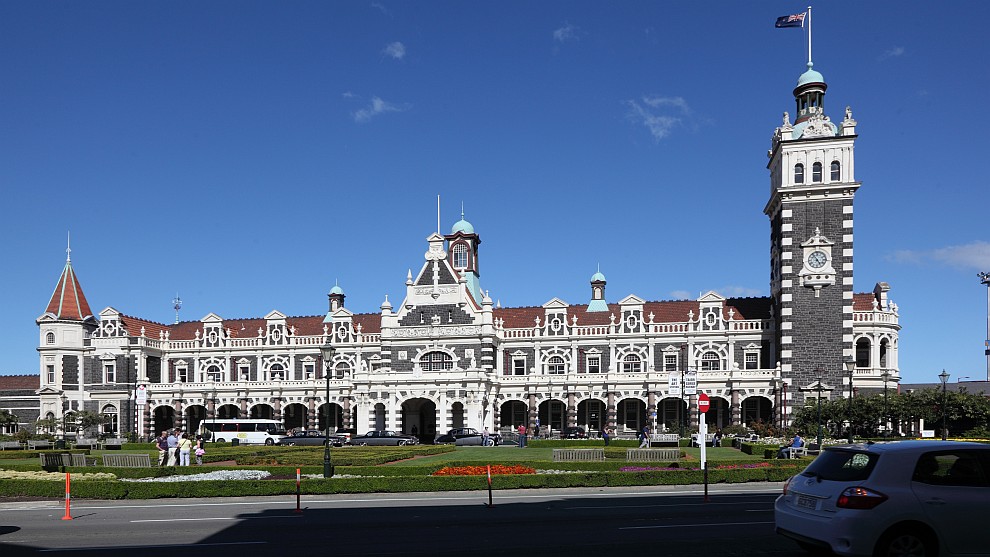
[{"x": 806, "y": 502}]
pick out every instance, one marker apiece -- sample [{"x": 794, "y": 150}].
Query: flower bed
[{"x": 496, "y": 469}]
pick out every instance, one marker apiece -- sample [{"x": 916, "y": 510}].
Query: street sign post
[{"x": 703, "y": 404}]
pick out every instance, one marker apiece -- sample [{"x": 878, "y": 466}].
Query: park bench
[
  {"x": 33, "y": 444},
  {"x": 578, "y": 455},
  {"x": 14, "y": 445},
  {"x": 55, "y": 460},
  {"x": 127, "y": 460},
  {"x": 797, "y": 452},
  {"x": 85, "y": 442},
  {"x": 709, "y": 439},
  {"x": 652, "y": 455},
  {"x": 665, "y": 439},
  {"x": 113, "y": 443}
]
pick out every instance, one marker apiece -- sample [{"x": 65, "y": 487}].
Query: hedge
[{"x": 242, "y": 488}]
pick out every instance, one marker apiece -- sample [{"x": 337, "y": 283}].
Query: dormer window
[
  {"x": 50, "y": 338},
  {"x": 798, "y": 173},
  {"x": 460, "y": 256},
  {"x": 834, "y": 174},
  {"x": 816, "y": 172}
]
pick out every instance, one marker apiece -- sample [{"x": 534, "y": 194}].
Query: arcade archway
[{"x": 419, "y": 417}]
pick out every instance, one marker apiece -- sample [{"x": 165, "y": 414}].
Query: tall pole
[
  {"x": 327, "y": 353},
  {"x": 680, "y": 409},
  {"x": 851, "y": 365},
  {"x": 985, "y": 279},
  {"x": 819, "y": 409},
  {"x": 943, "y": 377},
  {"x": 886, "y": 420}
]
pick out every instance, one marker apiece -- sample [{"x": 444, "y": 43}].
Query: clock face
[{"x": 817, "y": 259}]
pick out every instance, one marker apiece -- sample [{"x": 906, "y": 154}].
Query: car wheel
[
  {"x": 906, "y": 542},
  {"x": 220, "y": 441},
  {"x": 269, "y": 441}
]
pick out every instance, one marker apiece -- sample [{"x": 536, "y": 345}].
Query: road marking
[
  {"x": 703, "y": 525},
  {"x": 664, "y": 505},
  {"x": 119, "y": 547},
  {"x": 216, "y": 518}
]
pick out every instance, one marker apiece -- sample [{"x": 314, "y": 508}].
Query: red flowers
[{"x": 483, "y": 470}]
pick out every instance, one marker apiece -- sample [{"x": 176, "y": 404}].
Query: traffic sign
[{"x": 703, "y": 403}]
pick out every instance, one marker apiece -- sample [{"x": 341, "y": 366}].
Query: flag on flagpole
[{"x": 796, "y": 20}]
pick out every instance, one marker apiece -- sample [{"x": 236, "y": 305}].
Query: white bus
[{"x": 247, "y": 431}]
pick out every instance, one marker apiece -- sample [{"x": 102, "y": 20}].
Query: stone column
[
  {"x": 533, "y": 411},
  {"x": 347, "y": 412},
  {"x": 651, "y": 411},
  {"x": 496, "y": 416},
  {"x": 244, "y": 410},
  {"x": 571, "y": 410},
  {"x": 736, "y": 408},
  {"x": 610, "y": 411},
  {"x": 177, "y": 405},
  {"x": 311, "y": 413}
]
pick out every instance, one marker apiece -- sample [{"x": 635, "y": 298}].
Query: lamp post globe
[
  {"x": 327, "y": 352},
  {"x": 944, "y": 378}
]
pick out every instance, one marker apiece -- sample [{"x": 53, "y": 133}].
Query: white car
[{"x": 923, "y": 498}]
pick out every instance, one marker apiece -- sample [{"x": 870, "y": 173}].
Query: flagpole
[{"x": 809, "y": 34}]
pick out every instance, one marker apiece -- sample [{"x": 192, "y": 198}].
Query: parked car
[
  {"x": 311, "y": 437},
  {"x": 346, "y": 433},
  {"x": 384, "y": 437},
  {"x": 573, "y": 432},
  {"x": 467, "y": 436},
  {"x": 900, "y": 498}
]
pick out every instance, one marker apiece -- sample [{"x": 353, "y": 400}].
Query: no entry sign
[{"x": 703, "y": 403}]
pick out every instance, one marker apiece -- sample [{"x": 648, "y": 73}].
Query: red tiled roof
[
  {"x": 68, "y": 300},
  {"x": 863, "y": 301},
  {"x": 19, "y": 382},
  {"x": 666, "y": 311},
  {"x": 133, "y": 326},
  {"x": 311, "y": 325}
]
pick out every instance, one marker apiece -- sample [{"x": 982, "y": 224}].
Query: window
[
  {"x": 834, "y": 174},
  {"x": 518, "y": 366},
  {"x": 50, "y": 371},
  {"x": 341, "y": 370},
  {"x": 436, "y": 361},
  {"x": 631, "y": 364},
  {"x": 460, "y": 252},
  {"x": 182, "y": 374},
  {"x": 109, "y": 373},
  {"x": 670, "y": 362},
  {"x": 752, "y": 360},
  {"x": 883, "y": 353},
  {"x": 555, "y": 365},
  {"x": 798, "y": 173},
  {"x": 863, "y": 352},
  {"x": 244, "y": 371},
  {"x": 50, "y": 338},
  {"x": 276, "y": 371},
  {"x": 213, "y": 373},
  {"x": 110, "y": 417},
  {"x": 308, "y": 370},
  {"x": 594, "y": 364},
  {"x": 816, "y": 172},
  {"x": 710, "y": 362}
]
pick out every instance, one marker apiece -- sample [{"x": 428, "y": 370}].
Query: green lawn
[{"x": 511, "y": 453}]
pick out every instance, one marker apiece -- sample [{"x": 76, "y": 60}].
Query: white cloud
[
  {"x": 974, "y": 255},
  {"x": 396, "y": 50},
  {"x": 348, "y": 95},
  {"x": 566, "y": 33},
  {"x": 681, "y": 295},
  {"x": 739, "y": 292},
  {"x": 891, "y": 53},
  {"x": 659, "y": 114},
  {"x": 377, "y": 106},
  {"x": 381, "y": 8}
]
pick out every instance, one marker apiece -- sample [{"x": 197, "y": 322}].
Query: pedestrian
[
  {"x": 786, "y": 450},
  {"x": 717, "y": 439},
  {"x": 644, "y": 437},
  {"x": 200, "y": 451},
  {"x": 605, "y": 434},
  {"x": 185, "y": 447},
  {"x": 485, "y": 436},
  {"x": 522, "y": 436},
  {"x": 162, "y": 442},
  {"x": 172, "y": 443}
]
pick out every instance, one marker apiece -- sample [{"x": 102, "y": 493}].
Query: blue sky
[{"x": 248, "y": 155}]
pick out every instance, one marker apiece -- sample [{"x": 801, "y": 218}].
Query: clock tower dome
[{"x": 812, "y": 185}]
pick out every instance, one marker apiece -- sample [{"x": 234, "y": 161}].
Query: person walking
[
  {"x": 605, "y": 434},
  {"x": 200, "y": 451},
  {"x": 485, "y": 436},
  {"x": 185, "y": 447},
  {"x": 162, "y": 442},
  {"x": 172, "y": 443},
  {"x": 522, "y": 436},
  {"x": 644, "y": 437}
]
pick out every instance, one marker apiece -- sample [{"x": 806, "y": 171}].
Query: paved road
[{"x": 736, "y": 521}]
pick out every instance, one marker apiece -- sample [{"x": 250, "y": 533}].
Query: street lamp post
[
  {"x": 985, "y": 279},
  {"x": 214, "y": 404},
  {"x": 819, "y": 373},
  {"x": 65, "y": 407},
  {"x": 327, "y": 352},
  {"x": 851, "y": 367},
  {"x": 680, "y": 409},
  {"x": 943, "y": 377},
  {"x": 886, "y": 420}
]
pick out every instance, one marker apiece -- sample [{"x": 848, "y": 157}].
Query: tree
[{"x": 86, "y": 420}]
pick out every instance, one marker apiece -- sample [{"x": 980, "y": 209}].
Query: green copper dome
[
  {"x": 462, "y": 226},
  {"x": 810, "y": 76},
  {"x": 598, "y": 276},
  {"x": 337, "y": 290}
]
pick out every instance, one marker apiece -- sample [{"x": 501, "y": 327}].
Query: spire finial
[
  {"x": 438, "y": 213},
  {"x": 462, "y": 210},
  {"x": 177, "y": 304},
  {"x": 68, "y": 248}
]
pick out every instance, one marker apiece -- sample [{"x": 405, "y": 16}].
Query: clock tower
[{"x": 812, "y": 185}]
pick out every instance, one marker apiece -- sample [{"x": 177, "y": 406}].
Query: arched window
[
  {"x": 276, "y": 371},
  {"x": 111, "y": 419},
  {"x": 835, "y": 171},
  {"x": 213, "y": 373},
  {"x": 710, "y": 361},
  {"x": 798, "y": 173},
  {"x": 883, "y": 354},
  {"x": 436, "y": 361},
  {"x": 50, "y": 338},
  {"x": 632, "y": 364},
  {"x": 816, "y": 172},
  {"x": 555, "y": 365},
  {"x": 460, "y": 256},
  {"x": 863, "y": 352},
  {"x": 341, "y": 370}
]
